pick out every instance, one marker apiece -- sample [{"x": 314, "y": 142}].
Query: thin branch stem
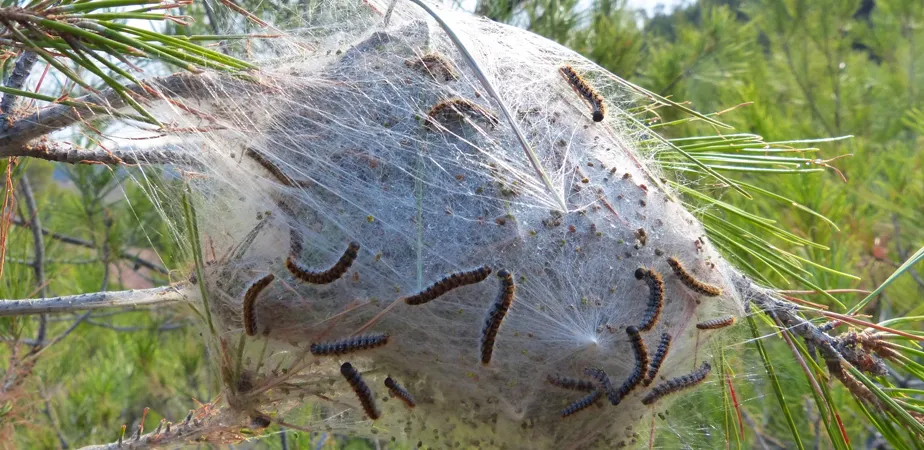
[
  {"x": 135, "y": 298},
  {"x": 38, "y": 241},
  {"x": 83, "y": 243}
]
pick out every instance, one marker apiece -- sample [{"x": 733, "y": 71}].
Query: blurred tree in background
[{"x": 793, "y": 68}]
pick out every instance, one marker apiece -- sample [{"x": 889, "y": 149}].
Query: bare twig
[
  {"x": 38, "y": 263},
  {"x": 84, "y": 243},
  {"x": 134, "y": 298},
  {"x": 164, "y": 327}
]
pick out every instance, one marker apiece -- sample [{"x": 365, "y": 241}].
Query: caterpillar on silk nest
[{"x": 373, "y": 221}]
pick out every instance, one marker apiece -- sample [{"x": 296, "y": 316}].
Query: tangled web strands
[{"x": 345, "y": 124}]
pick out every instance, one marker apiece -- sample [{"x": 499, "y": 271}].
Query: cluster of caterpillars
[
  {"x": 644, "y": 372},
  {"x": 646, "y": 369}
]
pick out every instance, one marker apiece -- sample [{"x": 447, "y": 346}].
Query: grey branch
[
  {"x": 38, "y": 241},
  {"x": 83, "y": 243},
  {"x": 134, "y": 298},
  {"x": 14, "y": 140}
]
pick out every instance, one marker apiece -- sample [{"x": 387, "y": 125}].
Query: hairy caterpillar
[
  {"x": 275, "y": 170},
  {"x": 691, "y": 282},
  {"x": 587, "y": 93},
  {"x": 604, "y": 382},
  {"x": 638, "y": 372},
  {"x": 433, "y": 64},
  {"x": 573, "y": 384},
  {"x": 250, "y": 302},
  {"x": 496, "y": 315},
  {"x": 398, "y": 391},
  {"x": 349, "y": 345},
  {"x": 713, "y": 324},
  {"x": 361, "y": 389},
  {"x": 328, "y": 276},
  {"x": 458, "y": 108},
  {"x": 660, "y": 355},
  {"x": 655, "y": 296},
  {"x": 581, "y": 404},
  {"x": 677, "y": 384},
  {"x": 447, "y": 284}
]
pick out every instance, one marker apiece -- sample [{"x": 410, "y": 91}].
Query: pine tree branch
[
  {"x": 134, "y": 298},
  {"x": 14, "y": 140},
  {"x": 38, "y": 262},
  {"x": 16, "y": 80}
]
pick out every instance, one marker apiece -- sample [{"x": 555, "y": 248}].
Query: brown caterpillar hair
[
  {"x": 638, "y": 372},
  {"x": 458, "y": 108},
  {"x": 691, "y": 282},
  {"x": 714, "y": 324},
  {"x": 586, "y": 92},
  {"x": 496, "y": 315},
  {"x": 361, "y": 389},
  {"x": 447, "y": 284},
  {"x": 434, "y": 65},
  {"x": 581, "y": 404},
  {"x": 677, "y": 384},
  {"x": 660, "y": 355},
  {"x": 573, "y": 384},
  {"x": 655, "y": 296},
  {"x": 250, "y": 302},
  {"x": 328, "y": 276},
  {"x": 398, "y": 391},
  {"x": 349, "y": 345}
]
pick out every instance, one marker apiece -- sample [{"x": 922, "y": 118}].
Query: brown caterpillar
[
  {"x": 361, "y": 389},
  {"x": 586, "y": 92},
  {"x": 604, "y": 382},
  {"x": 349, "y": 345},
  {"x": 641, "y": 366},
  {"x": 398, "y": 391},
  {"x": 250, "y": 302},
  {"x": 573, "y": 384},
  {"x": 714, "y": 324},
  {"x": 581, "y": 404},
  {"x": 496, "y": 315},
  {"x": 677, "y": 384},
  {"x": 459, "y": 108},
  {"x": 655, "y": 296},
  {"x": 434, "y": 65},
  {"x": 275, "y": 170},
  {"x": 447, "y": 284},
  {"x": 691, "y": 282},
  {"x": 328, "y": 276},
  {"x": 658, "y": 359}
]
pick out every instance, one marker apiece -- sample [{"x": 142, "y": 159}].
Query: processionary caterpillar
[
  {"x": 447, "y": 284},
  {"x": 361, "y": 389},
  {"x": 714, "y": 324},
  {"x": 433, "y": 64},
  {"x": 660, "y": 355},
  {"x": 655, "y": 296},
  {"x": 581, "y": 404},
  {"x": 691, "y": 282},
  {"x": 349, "y": 345},
  {"x": 250, "y": 302},
  {"x": 573, "y": 384},
  {"x": 638, "y": 372},
  {"x": 496, "y": 315},
  {"x": 328, "y": 276},
  {"x": 398, "y": 391},
  {"x": 677, "y": 384},
  {"x": 459, "y": 108},
  {"x": 586, "y": 92}
]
